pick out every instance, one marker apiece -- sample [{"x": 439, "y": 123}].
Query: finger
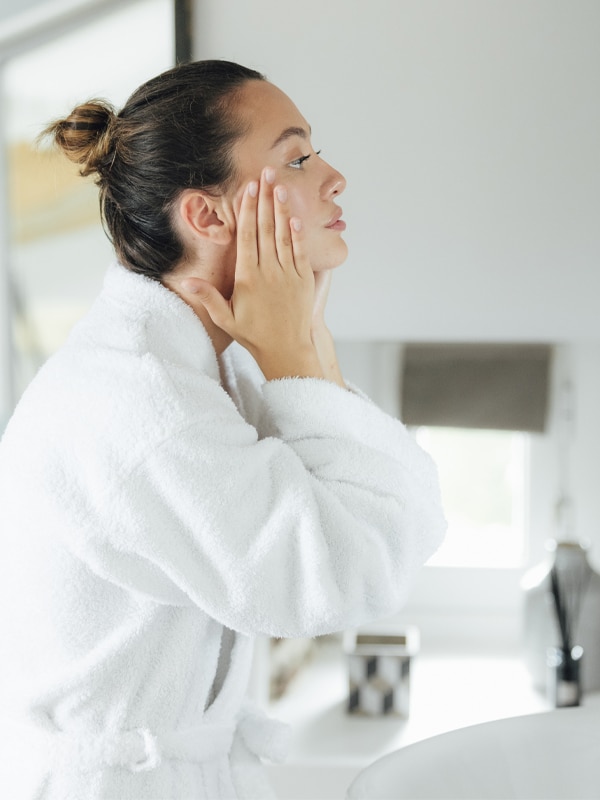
[
  {"x": 247, "y": 242},
  {"x": 267, "y": 253},
  {"x": 283, "y": 235},
  {"x": 219, "y": 310},
  {"x": 301, "y": 260}
]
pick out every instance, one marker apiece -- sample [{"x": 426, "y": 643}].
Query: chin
[
  {"x": 326, "y": 267},
  {"x": 333, "y": 260}
]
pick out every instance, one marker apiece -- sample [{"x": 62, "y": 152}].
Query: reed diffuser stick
[{"x": 562, "y": 616}]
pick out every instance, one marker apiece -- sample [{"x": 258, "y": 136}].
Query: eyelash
[{"x": 297, "y": 163}]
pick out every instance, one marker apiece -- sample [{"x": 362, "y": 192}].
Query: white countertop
[{"x": 449, "y": 690}]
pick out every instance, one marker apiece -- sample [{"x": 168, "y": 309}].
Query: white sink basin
[{"x": 553, "y": 755}]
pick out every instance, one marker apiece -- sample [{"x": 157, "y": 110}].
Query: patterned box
[{"x": 379, "y": 671}]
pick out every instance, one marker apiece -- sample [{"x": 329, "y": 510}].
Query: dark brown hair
[{"x": 175, "y": 132}]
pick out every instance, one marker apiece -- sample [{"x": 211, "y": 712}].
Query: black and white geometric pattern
[{"x": 378, "y": 684}]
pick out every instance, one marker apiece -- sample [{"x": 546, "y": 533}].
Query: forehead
[{"x": 266, "y": 111}]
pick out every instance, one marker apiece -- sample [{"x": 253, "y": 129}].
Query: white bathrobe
[{"x": 157, "y": 511}]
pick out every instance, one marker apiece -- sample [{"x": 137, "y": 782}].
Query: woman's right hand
[{"x": 270, "y": 310}]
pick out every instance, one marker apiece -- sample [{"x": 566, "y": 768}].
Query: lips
[{"x": 336, "y": 223}]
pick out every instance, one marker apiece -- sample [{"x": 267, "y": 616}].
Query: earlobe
[{"x": 202, "y": 216}]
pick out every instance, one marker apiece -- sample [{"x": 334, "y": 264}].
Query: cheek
[{"x": 299, "y": 204}]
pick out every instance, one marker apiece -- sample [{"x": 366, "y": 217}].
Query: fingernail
[
  {"x": 189, "y": 286},
  {"x": 270, "y": 175},
  {"x": 296, "y": 224},
  {"x": 281, "y": 193},
  {"x": 253, "y": 189}
]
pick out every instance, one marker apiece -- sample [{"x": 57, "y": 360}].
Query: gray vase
[{"x": 540, "y": 631}]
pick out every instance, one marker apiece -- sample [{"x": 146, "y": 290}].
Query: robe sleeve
[{"x": 313, "y": 523}]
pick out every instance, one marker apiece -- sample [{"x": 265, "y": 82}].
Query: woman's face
[{"x": 278, "y": 136}]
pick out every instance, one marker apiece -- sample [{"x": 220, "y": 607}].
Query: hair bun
[{"x": 85, "y": 136}]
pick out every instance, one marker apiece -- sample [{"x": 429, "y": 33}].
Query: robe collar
[{"x": 171, "y": 328}]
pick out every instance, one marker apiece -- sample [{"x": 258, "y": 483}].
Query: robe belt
[{"x": 141, "y": 749}]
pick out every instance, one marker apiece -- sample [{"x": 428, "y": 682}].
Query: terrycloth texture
[{"x": 155, "y": 517}]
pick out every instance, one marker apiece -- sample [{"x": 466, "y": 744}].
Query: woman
[{"x": 166, "y": 495}]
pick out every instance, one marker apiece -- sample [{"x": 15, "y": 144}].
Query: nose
[{"x": 334, "y": 182}]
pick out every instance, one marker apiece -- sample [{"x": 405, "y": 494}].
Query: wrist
[{"x": 303, "y": 362}]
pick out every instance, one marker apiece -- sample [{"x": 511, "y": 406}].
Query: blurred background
[{"x": 468, "y": 132}]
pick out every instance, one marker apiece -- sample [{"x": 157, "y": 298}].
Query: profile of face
[{"x": 278, "y": 136}]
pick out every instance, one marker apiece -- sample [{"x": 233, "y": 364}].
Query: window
[
  {"x": 483, "y": 478},
  {"x": 58, "y": 251}
]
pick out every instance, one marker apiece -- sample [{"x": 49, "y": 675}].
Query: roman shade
[{"x": 497, "y": 386}]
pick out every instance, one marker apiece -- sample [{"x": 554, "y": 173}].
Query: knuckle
[
  {"x": 284, "y": 240},
  {"x": 267, "y": 227}
]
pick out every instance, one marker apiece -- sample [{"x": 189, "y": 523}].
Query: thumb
[{"x": 213, "y": 301}]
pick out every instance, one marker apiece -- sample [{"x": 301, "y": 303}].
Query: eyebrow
[{"x": 288, "y": 133}]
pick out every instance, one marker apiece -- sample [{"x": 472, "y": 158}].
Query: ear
[{"x": 205, "y": 216}]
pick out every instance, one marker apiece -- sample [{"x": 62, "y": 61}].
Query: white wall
[
  {"x": 586, "y": 456},
  {"x": 10, "y": 8},
  {"x": 468, "y": 131},
  {"x": 578, "y": 469}
]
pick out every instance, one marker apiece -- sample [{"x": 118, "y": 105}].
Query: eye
[{"x": 297, "y": 163}]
